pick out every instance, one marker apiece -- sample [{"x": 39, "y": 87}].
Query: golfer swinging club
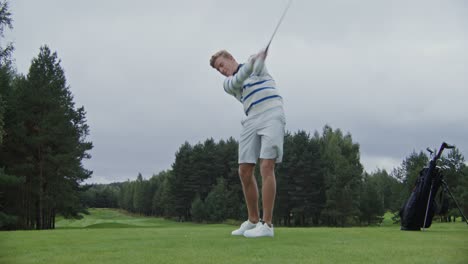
[{"x": 262, "y": 134}]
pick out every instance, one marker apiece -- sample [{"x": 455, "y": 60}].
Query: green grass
[{"x": 110, "y": 236}]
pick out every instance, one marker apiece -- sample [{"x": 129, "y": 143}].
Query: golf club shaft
[
  {"x": 427, "y": 208},
  {"x": 279, "y": 23}
]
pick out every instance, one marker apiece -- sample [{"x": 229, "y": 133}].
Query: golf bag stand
[{"x": 446, "y": 188}]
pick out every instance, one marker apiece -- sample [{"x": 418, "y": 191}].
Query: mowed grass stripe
[{"x": 105, "y": 215}]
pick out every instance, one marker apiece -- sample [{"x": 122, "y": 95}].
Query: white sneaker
[
  {"x": 261, "y": 230},
  {"x": 247, "y": 225}
]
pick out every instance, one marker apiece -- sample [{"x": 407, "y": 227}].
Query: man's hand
[{"x": 262, "y": 54}]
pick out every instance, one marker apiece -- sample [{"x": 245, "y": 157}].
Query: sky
[{"x": 393, "y": 74}]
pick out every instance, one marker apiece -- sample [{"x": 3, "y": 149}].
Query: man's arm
[
  {"x": 233, "y": 84},
  {"x": 259, "y": 62}
]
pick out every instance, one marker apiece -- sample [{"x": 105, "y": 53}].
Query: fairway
[{"x": 110, "y": 236}]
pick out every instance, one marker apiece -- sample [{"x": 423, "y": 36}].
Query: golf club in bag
[{"x": 420, "y": 207}]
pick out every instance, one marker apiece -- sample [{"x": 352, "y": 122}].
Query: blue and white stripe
[{"x": 254, "y": 88}]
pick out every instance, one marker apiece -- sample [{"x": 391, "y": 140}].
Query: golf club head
[
  {"x": 430, "y": 150},
  {"x": 445, "y": 167},
  {"x": 447, "y": 146}
]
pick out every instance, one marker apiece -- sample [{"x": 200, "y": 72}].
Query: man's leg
[
  {"x": 249, "y": 185},
  {"x": 267, "y": 170}
]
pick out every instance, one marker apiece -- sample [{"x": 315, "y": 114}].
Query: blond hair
[{"x": 218, "y": 54}]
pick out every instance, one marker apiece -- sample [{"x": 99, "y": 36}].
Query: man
[{"x": 262, "y": 134}]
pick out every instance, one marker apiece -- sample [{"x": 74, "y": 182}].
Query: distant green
[{"x": 111, "y": 236}]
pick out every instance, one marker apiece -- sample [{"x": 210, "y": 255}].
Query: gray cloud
[{"x": 393, "y": 74}]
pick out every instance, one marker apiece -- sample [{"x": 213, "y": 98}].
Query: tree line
[
  {"x": 320, "y": 182},
  {"x": 42, "y": 141}
]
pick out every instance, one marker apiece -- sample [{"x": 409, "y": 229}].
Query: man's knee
[
  {"x": 267, "y": 167},
  {"x": 246, "y": 172}
]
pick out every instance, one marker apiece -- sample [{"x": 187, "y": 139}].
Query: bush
[{"x": 7, "y": 222}]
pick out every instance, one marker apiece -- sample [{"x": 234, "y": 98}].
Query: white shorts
[{"x": 262, "y": 136}]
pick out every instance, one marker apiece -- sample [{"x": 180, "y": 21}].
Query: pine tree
[
  {"x": 157, "y": 205},
  {"x": 9, "y": 184},
  {"x": 215, "y": 203},
  {"x": 228, "y": 158},
  {"x": 300, "y": 181},
  {"x": 371, "y": 204},
  {"x": 185, "y": 186},
  {"x": 342, "y": 174},
  {"x": 198, "y": 210},
  {"x": 139, "y": 195},
  {"x": 409, "y": 171},
  {"x": 46, "y": 144},
  {"x": 456, "y": 177},
  {"x": 5, "y": 22}
]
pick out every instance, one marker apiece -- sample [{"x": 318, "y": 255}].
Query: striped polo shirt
[{"x": 253, "y": 87}]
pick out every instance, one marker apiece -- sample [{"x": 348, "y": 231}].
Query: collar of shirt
[{"x": 238, "y": 68}]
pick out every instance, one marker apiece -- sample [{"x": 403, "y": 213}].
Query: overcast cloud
[{"x": 392, "y": 73}]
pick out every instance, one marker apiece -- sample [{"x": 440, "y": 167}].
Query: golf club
[
  {"x": 279, "y": 23},
  {"x": 430, "y": 151}
]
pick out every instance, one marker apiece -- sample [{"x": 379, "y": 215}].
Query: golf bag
[
  {"x": 413, "y": 214},
  {"x": 420, "y": 207}
]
